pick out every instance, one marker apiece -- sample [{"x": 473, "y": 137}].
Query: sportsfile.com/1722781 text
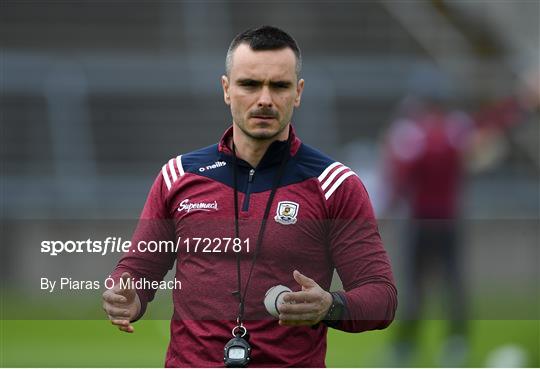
[{"x": 118, "y": 245}]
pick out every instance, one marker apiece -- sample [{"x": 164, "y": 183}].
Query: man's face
[{"x": 262, "y": 91}]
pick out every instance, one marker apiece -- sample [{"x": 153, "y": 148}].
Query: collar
[{"x": 273, "y": 154}]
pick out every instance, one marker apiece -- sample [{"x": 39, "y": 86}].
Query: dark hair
[{"x": 264, "y": 38}]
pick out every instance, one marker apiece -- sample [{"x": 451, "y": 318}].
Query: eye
[
  {"x": 281, "y": 85},
  {"x": 248, "y": 83}
]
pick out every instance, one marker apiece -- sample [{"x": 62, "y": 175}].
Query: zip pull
[{"x": 251, "y": 174}]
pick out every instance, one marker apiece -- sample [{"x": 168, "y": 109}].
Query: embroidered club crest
[{"x": 286, "y": 212}]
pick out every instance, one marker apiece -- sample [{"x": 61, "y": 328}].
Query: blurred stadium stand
[{"x": 95, "y": 96}]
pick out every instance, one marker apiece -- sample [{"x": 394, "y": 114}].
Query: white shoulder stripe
[
  {"x": 340, "y": 180},
  {"x": 327, "y": 170},
  {"x": 166, "y": 176},
  {"x": 331, "y": 178},
  {"x": 172, "y": 170},
  {"x": 179, "y": 165}
]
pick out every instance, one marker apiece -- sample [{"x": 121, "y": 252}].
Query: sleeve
[
  {"x": 360, "y": 259},
  {"x": 154, "y": 225}
]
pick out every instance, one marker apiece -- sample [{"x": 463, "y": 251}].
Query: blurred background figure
[
  {"x": 429, "y": 153},
  {"x": 425, "y": 150}
]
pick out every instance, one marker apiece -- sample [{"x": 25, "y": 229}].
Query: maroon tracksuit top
[{"x": 321, "y": 219}]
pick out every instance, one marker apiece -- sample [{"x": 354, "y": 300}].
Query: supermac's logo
[
  {"x": 286, "y": 212},
  {"x": 188, "y": 206}
]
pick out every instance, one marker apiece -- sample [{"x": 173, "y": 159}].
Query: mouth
[{"x": 263, "y": 117}]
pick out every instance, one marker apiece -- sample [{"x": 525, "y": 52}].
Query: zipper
[{"x": 245, "y": 205}]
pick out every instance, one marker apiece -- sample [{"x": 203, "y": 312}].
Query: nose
[{"x": 265, "y": 98}]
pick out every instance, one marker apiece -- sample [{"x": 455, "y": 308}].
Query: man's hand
[
  {"x": 306, "y": 307},
  {"x": 122, "y": 305}
]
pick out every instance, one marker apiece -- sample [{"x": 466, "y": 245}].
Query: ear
[
  {"x": 299, "y": 90},
  {"x": 225, "y": 85}
]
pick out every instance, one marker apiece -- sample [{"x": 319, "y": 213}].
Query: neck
[{"x": 252, "y": 150}]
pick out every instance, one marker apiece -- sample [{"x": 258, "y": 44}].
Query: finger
[
  {"x": 297, "y": 322},
  {"x": 117, "y": 312},
  {"x": 123, "y": 325},
  {"x": 128, "y": 329},
  {"x": 304, "y": 281},
  {"x": 299, "y": 297},
  {"x": 113, "y": 298},
  {"x": 120, "y": 322},
  {"x": 297, "y": 317},
  {"x": 128, "y": 293},
  {"x": 118, "y": 318},
  {"x": 298, "y": 308}
]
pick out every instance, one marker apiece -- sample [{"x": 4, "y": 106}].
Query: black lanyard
[{"x": 277, "y": 179}]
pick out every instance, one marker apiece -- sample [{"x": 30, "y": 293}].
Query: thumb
[
  {"x": 303, "y": 281},
  {"x": 126, "y": 285}
]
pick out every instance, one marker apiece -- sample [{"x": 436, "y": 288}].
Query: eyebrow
[{"x": 254, "y": 82}]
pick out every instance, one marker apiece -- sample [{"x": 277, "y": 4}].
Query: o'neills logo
[
  {"x": 187, "y": 206},
  {"x": 217, "y": 164}
]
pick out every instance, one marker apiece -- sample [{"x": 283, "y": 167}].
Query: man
[
  {"x": 299, "y": 209},
  {"x": 425, "y": 149}
]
